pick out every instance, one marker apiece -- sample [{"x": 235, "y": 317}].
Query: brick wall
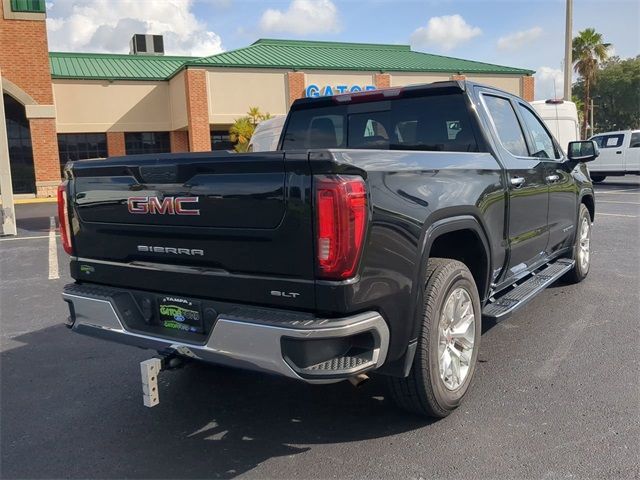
[
  {"x": 382, "y": 80},
  {"x": 179, "y": 140},
  {"x": 45, "y": 149},
  {"x": 24, "y": 57},
  {"x": 295, "y": 86},
  {"x": 197, "y": 110},
  {"x": 24, "y": 60},
  {"x": 528, "y": 88},
  {"x": 115, "y": 144}
]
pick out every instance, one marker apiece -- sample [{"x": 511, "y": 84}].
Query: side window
[
  {"x": 635, "y": 140},
  {"x": 598, "y": 141},
  {"x": 543, "y": 146},
  {"x": 507, "y": 125},
  {"x": 611, "y": 141}
]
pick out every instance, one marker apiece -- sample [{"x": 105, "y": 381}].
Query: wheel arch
[
  {"x": 589, "y": 202},
  {"x": 443, "y": 239}
]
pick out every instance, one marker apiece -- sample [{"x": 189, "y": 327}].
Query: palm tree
[
  {"x": 240, "y": 132},
  {"x": 242, "y": 129},
  {"x": 589, "y": 51}
]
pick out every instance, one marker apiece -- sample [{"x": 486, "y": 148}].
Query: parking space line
[
  {"x": 613, "y": 201},
  {"x": 34, "y": 237},
  {"x": 53, "y": 250},
  {"x": 616, "y": 215}
]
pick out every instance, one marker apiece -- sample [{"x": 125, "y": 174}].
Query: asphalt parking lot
[{"x": 556, "y": 395}]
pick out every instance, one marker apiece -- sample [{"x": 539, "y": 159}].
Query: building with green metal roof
[
  {"x": 162, "y": 96},
  {"x": 88, "y": 105},
  {"x": 272, "y": 54}
]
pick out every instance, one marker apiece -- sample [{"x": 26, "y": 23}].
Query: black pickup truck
[{"x": 386, "y": 227}]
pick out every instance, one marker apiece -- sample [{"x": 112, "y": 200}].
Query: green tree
[
  {"x": 243, "y": 128},
  {"x": 616, "y": 94},
  {"x": 589, "y": 51}
]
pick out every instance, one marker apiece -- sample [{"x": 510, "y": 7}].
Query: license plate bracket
[{"x": 179, "y": 313}]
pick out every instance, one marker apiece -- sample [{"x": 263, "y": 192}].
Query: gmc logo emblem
[{"x": 166, "y": 206}]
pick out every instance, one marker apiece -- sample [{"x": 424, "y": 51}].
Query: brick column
[
  {"x": 179, "y": 140},
  {"x": 44, "y": 142},
  {"x": 458, "y": 77},
  {"x": 115, "y": 144},
  {"x": 528, "y": 88},
  {"x": 197, "y": 110},
  {"x": 382, "y": 80},
  {"x": 295, "y": 86}
]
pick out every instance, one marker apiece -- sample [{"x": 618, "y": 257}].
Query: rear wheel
[
  {"x": 581, "y": 248},
  {"x": 448, "y": 342},
  {"x": 595, "y": 178}
]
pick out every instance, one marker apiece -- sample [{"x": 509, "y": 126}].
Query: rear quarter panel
[{"x": 409, "y": 191}]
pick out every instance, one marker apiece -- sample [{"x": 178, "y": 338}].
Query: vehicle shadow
[
  {"x": 34, "y": 219},
  {"x": 72, "y": 407}
]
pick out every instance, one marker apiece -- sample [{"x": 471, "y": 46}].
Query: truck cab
[{"x": 619, "y": 154}]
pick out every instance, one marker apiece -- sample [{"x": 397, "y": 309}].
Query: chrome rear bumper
[{"x": 240, "y": 341}]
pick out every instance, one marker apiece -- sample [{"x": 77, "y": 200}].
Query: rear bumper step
[
  {"x": 253, "y": 341},
  {"x": 516, "y": 298}
]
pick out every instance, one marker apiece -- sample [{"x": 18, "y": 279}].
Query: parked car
[
  {"x": 619, "y": 154},
  {"x": 376, "y": 239},
  {"x": 266, "y": 135},
  {"x": 561, "y": 118}
]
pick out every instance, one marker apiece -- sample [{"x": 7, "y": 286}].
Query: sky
[{"x": 517, "y": 33}]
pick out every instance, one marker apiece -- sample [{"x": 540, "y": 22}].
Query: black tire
[
  {"x": 579, "y": 271},
  {"x": 424, "y": 391},
  {"x": 595, "y": 178}
]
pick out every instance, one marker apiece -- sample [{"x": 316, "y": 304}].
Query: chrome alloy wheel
[
  {"x": 583, "y": 245},
  {"x": 456, "y": 338}
]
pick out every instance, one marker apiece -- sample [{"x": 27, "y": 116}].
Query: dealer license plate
[{"x": 179, "y": 313}]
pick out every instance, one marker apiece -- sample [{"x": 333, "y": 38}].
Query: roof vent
[{"x": 141, "y": 44}]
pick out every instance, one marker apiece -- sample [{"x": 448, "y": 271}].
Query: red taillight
[
  {"x": 341, "y": 220},
  {"x": 63, "y": 218}
]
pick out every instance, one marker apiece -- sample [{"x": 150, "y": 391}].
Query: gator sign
[{"x": 328, "y": 90}]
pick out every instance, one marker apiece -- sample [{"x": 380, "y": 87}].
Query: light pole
[{"x": 568, "y": 45}]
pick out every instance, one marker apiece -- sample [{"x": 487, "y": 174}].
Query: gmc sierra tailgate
[{"x": 235, "y": 227}]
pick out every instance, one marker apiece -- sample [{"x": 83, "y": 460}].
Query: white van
[
  {"x": 561, "y": 118},
  {"x": 619, "y": 154},
  {"x": 266, "y": 135}
]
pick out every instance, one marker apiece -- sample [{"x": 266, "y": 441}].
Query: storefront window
[
  {"x": 220, "y": 140},
  {"x": 147, "y": 142},
  {"x": 20, "y": 153},
  {"x": 78, "y": 146}
]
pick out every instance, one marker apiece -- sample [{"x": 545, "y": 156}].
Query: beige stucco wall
[
  {"x": 232, "y": 92},
  {"x": 511, "y": 84},
  {"x": 402, "y": 79},
  {"x": 100, "y": 106},
  {"x": 178, "y": 102}
]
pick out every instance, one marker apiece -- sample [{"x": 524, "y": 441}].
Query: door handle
[
  {"x": 619, "y": 152},
  {"x": 552, "y": 178},
  {"x": 517, "y": 181}
]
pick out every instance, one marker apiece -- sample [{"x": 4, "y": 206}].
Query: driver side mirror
[{"x": 583, "y": 151}]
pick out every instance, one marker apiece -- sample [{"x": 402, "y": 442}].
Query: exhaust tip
[{"x": 359, "y": 380}]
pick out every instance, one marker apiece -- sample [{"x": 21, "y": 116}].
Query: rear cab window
[
  {"x": 507, "y": 126},
  {"x": 438, "y": 122}
]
